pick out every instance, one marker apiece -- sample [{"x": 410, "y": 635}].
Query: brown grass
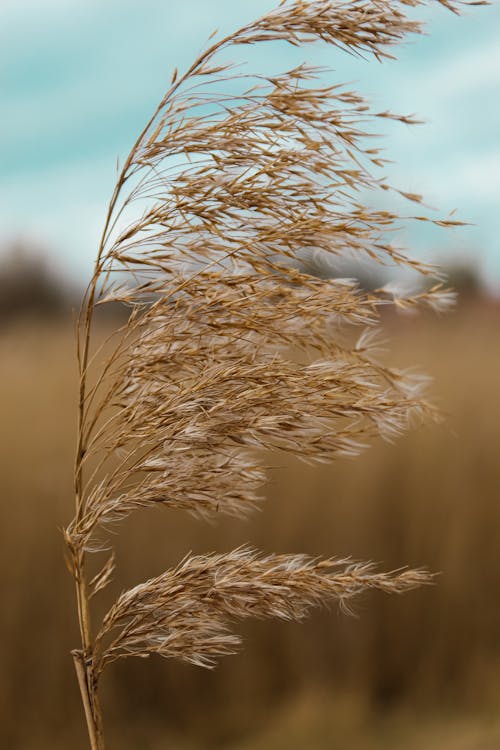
[
  {"x": 220, "y": 199},
  {"x": 432, "y": 497},
  {"x": 208, "y": 222}
]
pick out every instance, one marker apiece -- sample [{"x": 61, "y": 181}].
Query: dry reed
[{"x": 232, "y": 182}]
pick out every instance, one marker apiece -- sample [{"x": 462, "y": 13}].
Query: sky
[{"x": 79, "y": 79}]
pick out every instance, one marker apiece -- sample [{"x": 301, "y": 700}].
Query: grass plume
[
  {"x": 184, "y": 613},
  {"x": 233, "y": 181}
]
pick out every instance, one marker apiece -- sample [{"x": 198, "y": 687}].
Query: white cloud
[
  {"x": 477, "y": 66},
  {"x": 471, "y": 179}
]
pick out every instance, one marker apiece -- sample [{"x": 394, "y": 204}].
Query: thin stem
[{"x": 90, "y": 702}]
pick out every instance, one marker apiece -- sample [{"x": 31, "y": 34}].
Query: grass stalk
[
  {"x": 90, "y": 701},
  {"x": 241, "y": 203}
]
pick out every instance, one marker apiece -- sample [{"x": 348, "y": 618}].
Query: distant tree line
[{"x": 30, "y": 287}]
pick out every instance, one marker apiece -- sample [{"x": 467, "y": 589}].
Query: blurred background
[{"x": 78, "y": 79}]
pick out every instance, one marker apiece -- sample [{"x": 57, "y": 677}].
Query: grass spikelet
[{"x": 185, "y": 613}]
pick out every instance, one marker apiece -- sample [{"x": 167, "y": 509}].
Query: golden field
[{"x": 414, "y": 672}]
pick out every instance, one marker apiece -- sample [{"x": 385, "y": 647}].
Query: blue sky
[{"x": 79, "y": 78}]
